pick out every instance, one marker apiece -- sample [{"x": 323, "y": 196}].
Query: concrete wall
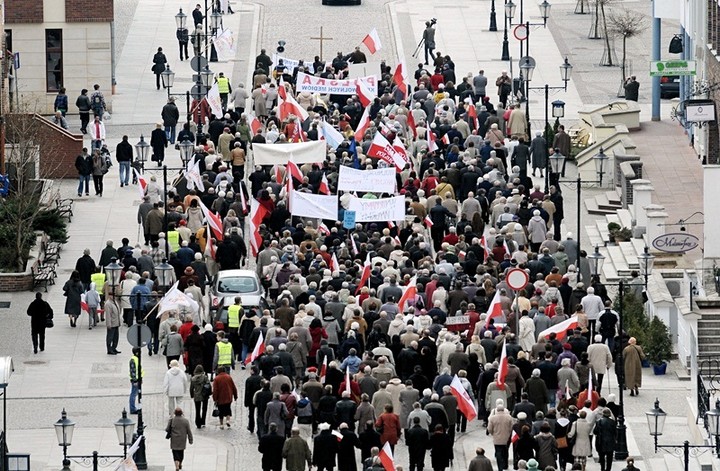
[{"x": 711, "y": 196}]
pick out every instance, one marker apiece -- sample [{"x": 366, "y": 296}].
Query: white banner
[
  {"x": 290, "y": 64},
  {"x": 309, "y": 83},
  {"x": 386, "y": 209},
  {"x": 213, "y": 99},
  {"x": 225, "y": 45},
  {"x": 174, "y": 299},
  {"x": 300, "y": 153},
  {"x": 314, "y": 206},
  {"x": 381, "y": 180}
]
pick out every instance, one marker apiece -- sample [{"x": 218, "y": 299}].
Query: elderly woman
[{"x": 633, "y": 355}]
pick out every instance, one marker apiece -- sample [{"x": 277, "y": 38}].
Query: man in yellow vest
[
  {"x": 235, "y": 313},
  {"x": 224, "y": 88},
  {"x": 173, "y": 238},
  {"x": 136, "y": 374},
  {"x": 99, "y": 280},
  {"x": 224, "y": 355}
]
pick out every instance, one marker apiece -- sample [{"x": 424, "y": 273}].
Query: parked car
[
  {"x": 670, "y": 86},
  {"x": 231, "y": 283}
]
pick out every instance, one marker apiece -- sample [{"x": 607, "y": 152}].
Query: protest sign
[
  {"x": 312, "y": 84},
  {"x": 314, "y": 206},
  {"x": 300, "y": 153},
  {"x": 381, "y": 180},
  {"x": 385, "y": 209}
]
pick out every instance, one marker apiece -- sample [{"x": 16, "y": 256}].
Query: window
[
  {"x": 8, "y": 40},
  {"x": 54, "y": 65}
]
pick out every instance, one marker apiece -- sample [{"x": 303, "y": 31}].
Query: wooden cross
[{"x": 321, "y": 39}]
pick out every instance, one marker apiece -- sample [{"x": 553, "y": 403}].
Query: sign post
[
  {"x": 517, "y": 279},
  {"x": 349, "y": 220}
]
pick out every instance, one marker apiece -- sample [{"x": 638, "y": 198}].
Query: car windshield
[{"x": 237, "y": 284}]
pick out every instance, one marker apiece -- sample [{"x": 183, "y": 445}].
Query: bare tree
[
  {"x": 626, "y": 24},
  {"x": 609, "y": 52}
]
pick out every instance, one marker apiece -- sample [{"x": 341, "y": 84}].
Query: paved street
[{"x": 75, "y": 373}]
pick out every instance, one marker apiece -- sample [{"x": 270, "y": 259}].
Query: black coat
[
  {"x": 346, "y": 451},
  {"x": 418, "y": 441},
  {"x": 85, "y": 265},
  {"x": 325, "y": 448},
  {"x": 270, "y": 446},
  {"x": 368, "y": 439},
  {"x": 158, "y": 141},
  {"x": 441, "y": 447},
  {"x": 39, "y": 311}
]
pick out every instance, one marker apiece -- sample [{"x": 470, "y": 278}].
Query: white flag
[
  {"x": 225, "y": 45},
  {"x": 193, "y": 177},
  {"x": 213, "y": 99},
  {"x": 176, "y": 298}
]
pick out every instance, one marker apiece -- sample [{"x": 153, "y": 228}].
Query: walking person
[
  {"x": 224, "y": 88},
  {"x": 269, "y": 445},
  {"x": 170, "y": 116},
  {"x": 112, "y": 323},
  {"x": 296, "y": 452},
  {"x": 632, "y": 88},
  {"x": 92, "y": 299},
  {"x": 180, "y": 434},
  {"x": 97, "y": 133},
  {"x": 84, "y": 165},
  {"x": 159, "y": 142},
  {"x": 224, "y": 393},
  {"x": 633, "y": 356},
  {"x": 604, "y": 432},
  {"x": 124, "y": 156},
  {"x": 175, "y": 386},
  {"x": 441, "y": 449},
  {"x": 159, "y": 61},
  {"x": 183, "y": 37},
  {"x": 61, "y": 102},
  {"x": 97, "y": 102},
  {"x": 73, "y": 290},
  {"x": 84, "y": 106},
  {"x": 200, "y": 392},
  {"x": 173, "y": 346},
  {"x": 429, "y": 39},
  {"x": 99, "y": 169},
  {"x": 40, "y": 313},
  {"x": 136, "y": 374}
]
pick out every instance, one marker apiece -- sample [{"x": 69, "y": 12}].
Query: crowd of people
[{"x": 370, "y": 327}]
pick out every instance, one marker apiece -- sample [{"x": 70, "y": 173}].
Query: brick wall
[
  {"x": 14, "y": 282},
  {"x": 24, "y": 11},
  {"x": 88, "y": 10}
]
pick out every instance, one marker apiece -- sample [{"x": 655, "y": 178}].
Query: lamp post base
[
  {"x": 621, "y": 451},
  {"x": 505, "y": 50}
]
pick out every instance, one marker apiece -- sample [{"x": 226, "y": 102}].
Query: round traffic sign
[
  {"x": 198, "y": 63},
  {"x": 139, "y": 335},
  {"x": 520, "y": 32},
  {"x": 517, "y": 279}
]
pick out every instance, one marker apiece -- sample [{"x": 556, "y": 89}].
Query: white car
[{"x": 231, "y": 283}]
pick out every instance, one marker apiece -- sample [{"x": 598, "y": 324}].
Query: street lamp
[
  {"x": 558, "y": 109},
  {"x": 526, "y": 70},
  {"x": 493, "y": 17},
  {"x": 164, "y": 272},
  {"x": 113, "y": 271},
  {"x": 509, "y": 11},
  {"x": 142, "y": 151},
  {"x": 595, "y": 261},
  {"x": 600, "y": 158},
  {"x": 656, "y": 421},
  {"x": 124, "y": 429},
  {"x": 510, "y": 8},
  {"x": 180, "y": 20},
  {"x": 646, "y": 261},
  {"x": 545, "y": 11},
  {"x": 186, "y": 150},
  {"x": 168, "y": 79}
]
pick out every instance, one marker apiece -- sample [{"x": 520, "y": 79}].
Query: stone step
[
  {"x": 638, "y": 245},
  {"x": 603, "y": 203},
  {"x": 708, "y": 303},
  {"x": 592, "y": 208},
  {"x": 630, "y": 255},
  {"x": 708, "y": 323},
  {"x": 709, "y": 350},
  {"x": 602, "y": 229},
  {"x": 709, "y": 317},
  {"x": 612, "y": 218},
  {"x": 609, "y": 273},
  {"x": 614, "y": 197},
  {"x": 708, "y": 337},
  {"x": 625, "y": 218},
  {"x": 616, "y": 257},
  {"x": 595, "y": 237}
]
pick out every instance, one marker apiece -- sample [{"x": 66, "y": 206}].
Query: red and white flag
[
  {"x": 354, "y": 245},
  {"x": 83, "y": 303},
  {"x": 505, "y": 246},
  {"x": 391, "y": 225},
  {"x": 323, "y": 229},
  {"x": 243, "y": 201},
  {"x": 446, "y": 140},
  {"x": 255, "y": 124},
  {"x": 337, "y": 435},
  {"x": 334, "y": 265},
  {"x": 430, "y": 136},
  {"x": 287, "y": 105},
  {"x": 210, "y": 244},
  {"x": 568, "y": 394},
  {"x": 367, "y": 268},
  {"x": 323, "y": 370},
  {"x": 372, "y": 41},
  {"x": 258, "y": 350},
  {"x": 142, "y": 183},
  {"x": 411, "y": 124},
  {"x": 213, "y": 220},
  {"x": 400, "y": 78},
  {"x": 401, "y": 151},
  {"x": 348, "y": 389},
  {"x": 514, "y": 437},
  {"x": 560, "y": 329},
  {"x": 363, "y": 126},
  {"x": 409, "y": 293},
  {"x": 324, "y": 188},
  {"x": 386, "y": 457},
  {"x": 364, "y": 94},
  {"x": 503, "y": 367},
  {"x": 380, "y": 148},
  {"x": 495, "y": 309},
  {"x": 465, "y": 403},
  {"x": 428, "y": 222},
  {"x": 279, "y": 173},
  {"x": 590, "y": 383},
  {"x": 258, "y": 212},
  {"x": 472, "y": 114},
  {"x": 294, "y": 171}
]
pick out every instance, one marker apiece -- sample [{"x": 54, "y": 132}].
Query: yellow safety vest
[
  {"x": 224, "y": 353},
  {"x": 173, "y": 238},
  {"x": 99, "y": 280},
  {"x": 223, "y": 85},
  {"x": 234, "y": 316},
  {"x": 136, "y": 360}
]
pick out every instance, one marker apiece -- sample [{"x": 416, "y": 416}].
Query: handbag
[
  {"x": 49, "y": 324},
  {"x": 562, "y": 442},
  {"x": 215, "y": 412},
  {"x": 206, "y": 391},
  {"x": 168, "y": 430}
]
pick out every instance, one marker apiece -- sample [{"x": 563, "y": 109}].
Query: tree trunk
[
  {"x": 607, "y": 37},
  {"x": 624, "y": 70}
]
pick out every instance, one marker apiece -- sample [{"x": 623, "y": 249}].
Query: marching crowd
[{"x": 393, "y": 332}]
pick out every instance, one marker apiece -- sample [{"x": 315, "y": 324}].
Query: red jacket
[
  {"x": 224, "y": 390},
  {"x": 390, "y": 425}
]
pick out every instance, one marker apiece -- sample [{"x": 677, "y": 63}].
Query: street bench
[{"x": 64, "y": 206}]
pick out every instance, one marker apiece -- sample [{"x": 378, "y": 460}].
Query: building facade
[{"x": 58, "y": 44}]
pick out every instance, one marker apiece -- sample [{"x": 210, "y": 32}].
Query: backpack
[{"x": 97, "y": 100}]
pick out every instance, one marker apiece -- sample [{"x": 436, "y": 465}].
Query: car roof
[
  {"x": 245, "y": 300},
  {"x": 236, "y": 273}
]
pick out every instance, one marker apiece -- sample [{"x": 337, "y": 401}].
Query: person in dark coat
[
  {"x": 269, "y": 445},
  {"x": 85, "y": 266},
  {"x": 195, "y": 348},
  {"x": 369, "y": 439},
  {"x": 209, "y": 341},
  {"x": 73, "y": 291},
  {"x": 346, "y": 449},
  {"x": 253, "y": 384},
  {"x": 170, "y": 116},
  {"x": 158, "y": 142},
  {"x": 441, "y": 449},
  {"x": 632, "y": 88},
  {"x": 39, "y": 311},
  {"x": 325, "y": 448},
  {"x": 604, "y": 432},
  {"x": 159, "y": 61},
  {"x": 417, "y": 440}
]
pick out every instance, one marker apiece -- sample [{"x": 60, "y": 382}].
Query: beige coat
[
  {"x": 633, "y": 355},
  {"x": 500, "y": 427},
  {"x": 600, "y": 357}
]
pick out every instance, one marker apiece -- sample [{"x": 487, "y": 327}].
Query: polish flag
[
  {"x": 560, "y": 329},
  {"x": 142, "y": 183},
  {"x": 505, "y": 246},
  {"x": 372, "y": 41},
  {"x": 397, "y": 241},
  {"x": 83, "y": 303},
  {"x": 347, "y": 381},
  {"x": 324, "y": 188},
  {"x": 445, "y": 139},
  {"x": 568, "y": 395},
  {"x": 391, "y": 225},
  {"x": 401, "y": 151},
  {"x": 380, "y": 148},
  {"x": 294, "y": 171},
  {"x": 514, "y": 437},
  {"x": 411, "y": 124},
  {"x": 590, "y": 382},
  {"x": 363, "y": 125},
  {"x": 432, "y": 145},
  {"x": 400, "y": 77},
  {"x": 367, "y": 268},
  {"x": 337, "y": 435},
  {"x": 410, "y": 293},
  {"x": 472, "y": 113},
  {"x": 485, "y": 246},
  {"x": 287, "y": 105},
  {"x": 334, "y": 265},
  {"x": 386, "y": 457},
  {"x": 354, "y": 245},
  {"x": 279, "y": 173},
  {"x": 323, "y": 229},
  {"x": 243, "y": 201},
  {"x": 255, "y": 124},
  {"x": 257, "y": 214},
  {"x": 213, "y": 220},
  {"x": 495, "y": 309},
  {"x": 503, "y": 367},
  {"x": 257, "y": 351},
  {"x": 428, "y": 222},
  {"x": 323, "y": 370},
  {"x": 364, "y": 94},
  {"x": 465, "y": 404}
]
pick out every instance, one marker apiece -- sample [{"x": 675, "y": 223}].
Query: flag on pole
[
  {"x": 560, "y": 329},
  {"x": 214, "y": 100},
  {"x": 353, "y": 150},
  {"x": 83, "y": 303},
  {"x": 323, "y": 229},
  {"x": 364, "y": 95},
  {"x": 363, "y": 125},
  {"x": 446, "y": 140},
  {"x": 411, "y": 124},
  {"x": 174, "y": 299},
  {"x": 400, "y": 78},
  {"x": 465, "y": 403},
  {"x": 213, "y": 220},
  {"x": 323, "y": 370},
  {"x": 294, "y": 171},
  {"x": 337, "y": 435},
  {"x": 428, "y": 222},
  {"x": 590, "y": 383},
  {"x": 258, "y": 212},
  {"x": 257, "y": 351},
  {"x": 472, "y": 114},
  {"x": 503, "y": 367},
  {"x": 334, "y": 265},
  {"x": 495, "y": 309},
  {"x": 567, "y": 389},
  {"x": 192, "y": 175},
  {"x": 380, "y": 148},
  {"x": 324, "y": 188},
  {"x": 332, "y": 136},
  {"x": 386, "y": 457},
  {"x": 287, "y": 105},
  {"x": 409, "y": 293},
  {"x": 365, "y": 274},
  {"x": 225, "y": 45},
  {"x": 142, "y": 183},
  {"x": 347, "y": 380},
  {"x": 255, "y": 124},
  {"x": 354, "y": 245},
  {"x": 514, "y": 437},
  {"x": 372, "y": 41},
  {"x": 430, "y": 136}
]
